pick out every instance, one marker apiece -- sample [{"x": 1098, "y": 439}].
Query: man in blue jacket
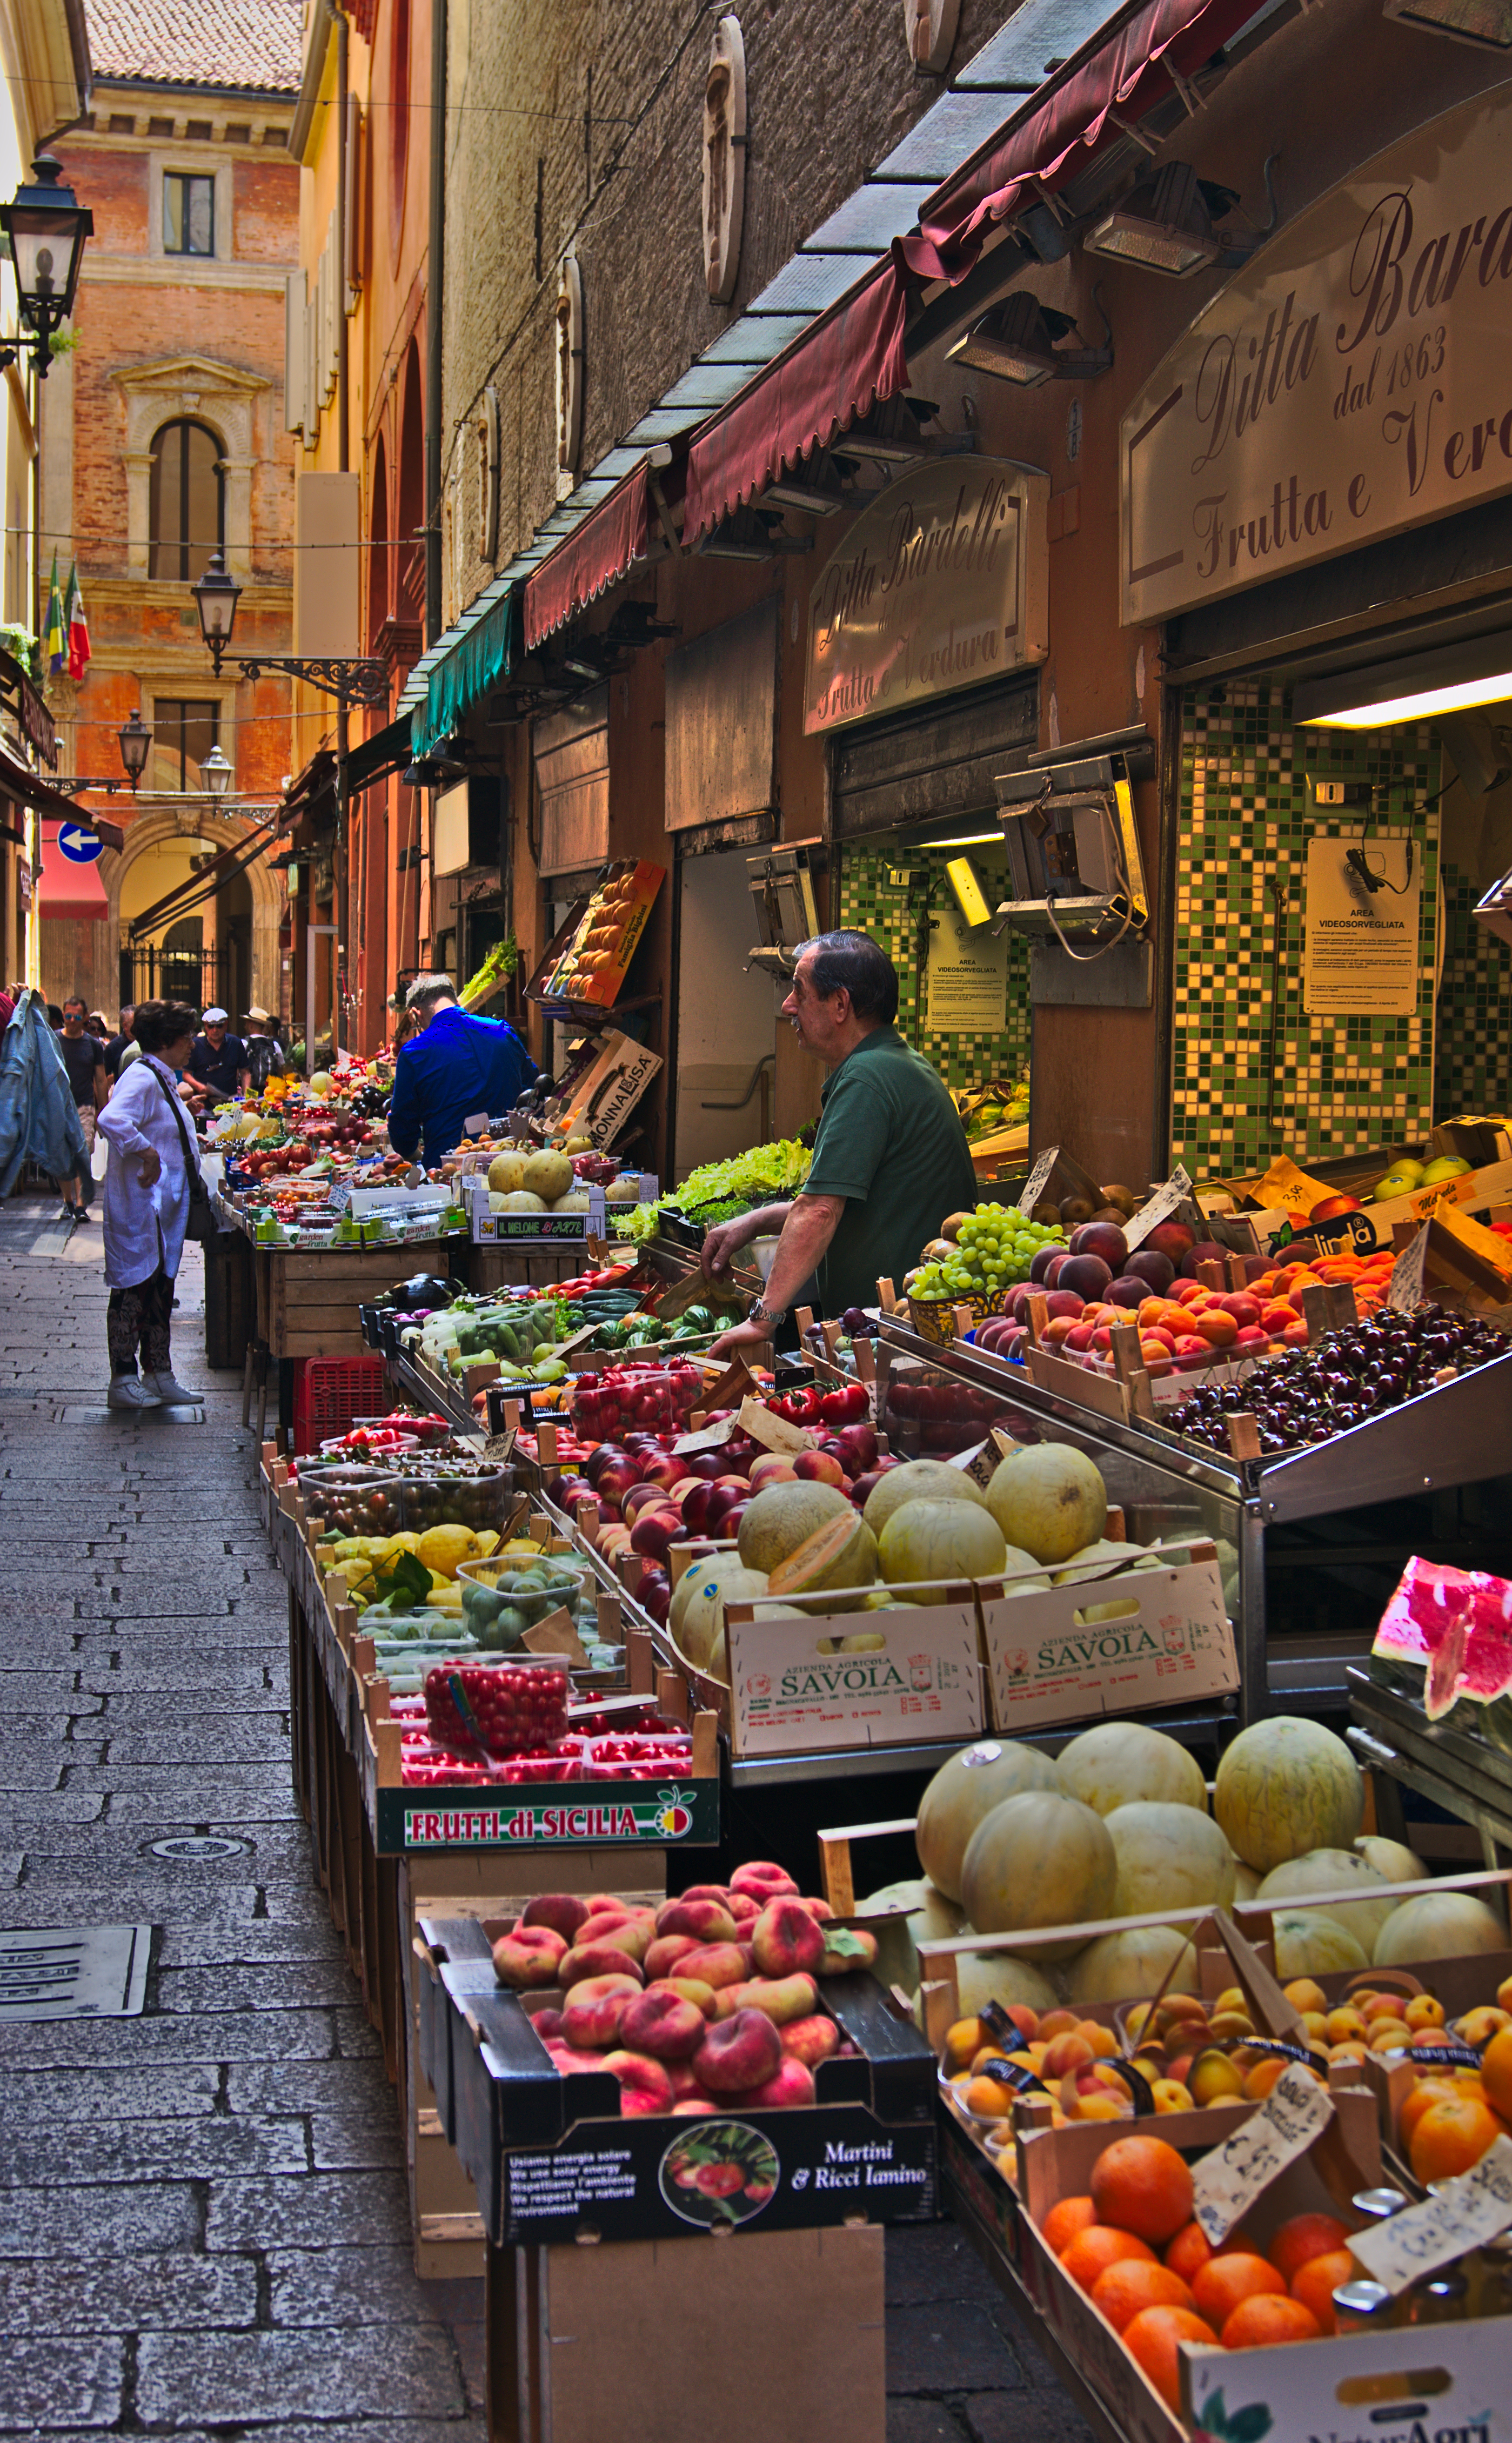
[{"x": 453, "y": 1068}]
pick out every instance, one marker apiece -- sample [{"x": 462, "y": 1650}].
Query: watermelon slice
[{"x": 1458, "y": 1625}]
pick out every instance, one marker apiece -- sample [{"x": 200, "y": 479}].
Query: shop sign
[
  {"x": 941, "y": 583},
  {"x": 1351, "y": 382},
  {"x": 1360, "y": 946},
  {"x": 640, "y": 1815}
]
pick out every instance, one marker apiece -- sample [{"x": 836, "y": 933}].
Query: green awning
[{"x": 478, "y": 660}]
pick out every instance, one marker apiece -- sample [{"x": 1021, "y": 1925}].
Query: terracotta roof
[{"x": 251, "y": 45}]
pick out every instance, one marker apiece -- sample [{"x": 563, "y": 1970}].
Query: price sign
[
  {"x": 1227, "y": 2182},
  {"x": 773, "y": 1433},
  {"x": 475, "y": 1123},
  {"x": 1039, "y": 1178},
  {"x": 1405, "y": 1288},
  {"x": 1475, "y": 2207},
  {"x": 707, "y": 1437},
  {"x": 1157, "y": 1209}
]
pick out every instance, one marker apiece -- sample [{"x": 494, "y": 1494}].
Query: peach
[
  {"x": 719, "y": 1892},
  {"x": 791, "y": 2082},
  {"x": 738, "y": 2053},
  {"x": 632, "y": 1934},
  {"x": 587, "y": 1959},
  {"x": 781, "y": 1997},
  {"x": 663, "y": 2024},
  {"x": 818, "y": 1467},
  {"x": 684, "y": 2081},
  {"x": 691, "y": 2105},
  {"x": 593, "y": 2011},
  {"x": 811, "y": 2040},
  {"x": 1066, "y": 2052},
  {"x": 563, "y": 1912},
  {"x": 692, "y": 1989},
  {"x": 786, "y": 1939},
  {"x": 701, "y": 1920},
  {"x": 528, "y": 1956},
  {"x": 743, "y": 1908},
  {"x": 617, "y": 1911},
  {"x": 644, "y": 2086},
  {"x": 847, "y": 1948},
  {"x": 567, "y": 2060},
  {"x": 663, "y": 1954},
  {"x": 819, "y": 1910},
  {"x": 763, "y": 1880},
  {"x": 772, "y": 1469},
  {"x": 546, "y": 2023},
  {"x": 715, "y": 1964}
]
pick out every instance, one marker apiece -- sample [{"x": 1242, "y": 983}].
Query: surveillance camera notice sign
[{"x": 1360, "y": 943}]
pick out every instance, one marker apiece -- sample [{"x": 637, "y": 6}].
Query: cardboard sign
[
  {"x": 793, "y": 1691},
  {"x": 1169, "y": 1642},
  {"x": 1406, "y": 1289},
  {"x": 773, "y": 1433},
  {"x": 556, "y": 1634},
  {"x": 708, "y": 1438},
  {"x": 1475, "y": 2207},
  {"x": 475, "y": 1123},
  {"x": 1226, "y": 2183},
  {"x": 1039, "y": 1178},
  {"x": 1157, "y": 1207}
]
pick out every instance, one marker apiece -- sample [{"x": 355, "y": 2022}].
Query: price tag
[
  {"x": 773, "y": 1433},
  {"x": 1157, "y": 1209},
  {"x": 707, "y": 1437},
  {"x": 1473, "y": 2207},
  {"x": 1405, "y": 1288},
  {"x": 1227, "y": 2182},
  {"x": 1039, "y": 1180},
  {"x": 474, "y": 1126}
]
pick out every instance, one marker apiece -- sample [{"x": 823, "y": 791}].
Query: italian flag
[{"x": 78, "y": 628}]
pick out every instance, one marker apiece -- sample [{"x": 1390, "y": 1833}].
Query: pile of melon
[
  {"x": 1117, "y": 1825},
  {"x": 542, "y": 1182}
]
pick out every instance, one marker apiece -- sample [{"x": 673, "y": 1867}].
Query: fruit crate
[
  {"x": 553, "y": 2159},
  {"x": 331, "y": 1393}
]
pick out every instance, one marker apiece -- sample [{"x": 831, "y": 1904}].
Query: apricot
[
  {"x": 1102, "y": 2040},
  {"x": 1137, "y": 2019},
  {"x": 1304, "y": 1995},
  {"x": 1479, "y": 2026},
  {"x": 1214, "y": 2079},
  {"x": 1232, "y": 2023},
  {"x": 1316, "y": 2024},
  {"x": 1423, "y": 2010},
  {"x": 1066, "y": 2052},
  {"x": 1172, "y": 2096},
  {"x": 963, "y": 2042},
  {"x": 1504, "y": 1995},
  {"x": 1379, "y": 2006},
  {"x": 1390, "y": 2035},
  {"x": 1259, "y": 2080},
  {"x": 1342, "y": 2024},
  {"x": 1181, "y": 2006},
  {"x": 1231, "y": 1998},
  {"x": 1496, "y": 2072},
  {"x": 988, "y": 2097},
  {"x": 1059, "y": 2023},
  {"x": 1096, "y": 2092}
]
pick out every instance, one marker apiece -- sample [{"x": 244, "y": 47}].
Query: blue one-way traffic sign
[{"x": 78, "y": 846}]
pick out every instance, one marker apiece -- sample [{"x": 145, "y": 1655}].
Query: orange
[
  {"x": 1305, "y": 2236},
  {"x": 1191, "y": 2248},
  {"x": 1064, "y": 2220},
  {"x": 1125, "y": 2290},
  {"x": 1496, "y": 2072},
  {"x": 1093, "y": 2250},
  {"x": 1428, "y": 2092},
  {"x": 1220, "y": 2285},
  {"x": 1451, "y": 2138},
  {"x": 1141, "y": 2184},
  {"x": 1257, "y": 2322},
  {"x": 1152, "y": 2340},
  {"x": 1318, "y": 2281}
]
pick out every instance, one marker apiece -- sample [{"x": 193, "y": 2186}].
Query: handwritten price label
[
  {"x": 1039, "y": 1178},
  {"x": 1227, "y": 2182},
  {"x": 1157, "y": 1209},
  {"x": 707, "y": 1438},
  {"x": 1405, "y": 1288},
  {"x": 1471, "y": 2209}
]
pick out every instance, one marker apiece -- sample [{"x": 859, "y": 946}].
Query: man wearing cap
[
  {"x": 264, "y": 1052},
  {"x": 217, "y": 1064}
]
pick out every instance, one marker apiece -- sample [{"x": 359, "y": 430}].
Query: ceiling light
[
  {"x": 1450, "y": 680},
  {"x": 1164, "y": 223},
  {"x": 1016, "y": 341},
  {"x": 745, "y": 534},
  {"x": 818, "y": 493}
]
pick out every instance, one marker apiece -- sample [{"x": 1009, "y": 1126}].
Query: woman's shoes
[
  {"x": 127, "y": 1393},
  {"x": 170, "y": 1393}
]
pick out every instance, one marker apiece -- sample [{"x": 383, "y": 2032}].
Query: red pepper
[{"x": 846, "y": 1407}]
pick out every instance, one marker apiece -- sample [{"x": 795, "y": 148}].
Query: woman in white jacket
[{"x": 146, "y": 1205}]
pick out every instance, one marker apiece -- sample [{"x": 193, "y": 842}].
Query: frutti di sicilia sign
[
  {"x": 1353, "y": 380},
  {"x": 941, "y": 582}
]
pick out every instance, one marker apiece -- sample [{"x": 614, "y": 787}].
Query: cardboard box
[
  {"x": 594, "y": 962},
  {"x": 490, "y": 1228},
  {"x": 1046, "y": 1662},
  {"x": 608, "y": 1091},
  {"x": 792, "y": 1692}
]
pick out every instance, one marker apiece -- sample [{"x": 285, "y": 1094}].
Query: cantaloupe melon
[
  {"x": 918, "y": 1480},
  {"x": 997, "y": 1976},
  {"x": 928, "y": 1917},
  {"x": 1284, "y": 1787},
  {"x": 1049, "y": 1499},
  {"x": 1310, "y": 1944},
  {"x": 1329, "y": 1871},
  {"x": 1394, "y": 1862},
  {"x": 1041, "y": 1859},
  {"x": 1440, "y": 1925},
  {"x": 1115, "y": 1763},
  {"x": 1168, "y": 1858},
  {"x": 507, "y": 1172},
  {"x": 547, "y": 1175},
  {"x": 782, "y": 1517},
  {"x": 841, "y": 1554},
  {"x": 701, "y": 1617},
  {"x": 930, "y": 1540},
  {"x": 1131, "y": 1967},
  {"x": 1246, "y": 1882},
  {"x": 968, "y": 1786}
]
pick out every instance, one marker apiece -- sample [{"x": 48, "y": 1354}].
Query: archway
[{"x": 240, "y": 923}]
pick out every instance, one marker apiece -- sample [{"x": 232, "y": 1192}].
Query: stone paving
[{"x": 204, "y": 2229}]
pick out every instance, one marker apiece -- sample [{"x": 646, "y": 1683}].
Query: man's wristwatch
[{"x": 759, "y": 1313}]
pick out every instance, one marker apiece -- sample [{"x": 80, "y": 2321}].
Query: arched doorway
[{"x": 234, "y": 958}]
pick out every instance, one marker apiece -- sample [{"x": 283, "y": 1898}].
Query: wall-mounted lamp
[
  {"x": 135, "y": 740},
  {"x": 1166, "y": 223},
  {"x": 216, "y": 774},
  {"x": 1016, "y": 341}
]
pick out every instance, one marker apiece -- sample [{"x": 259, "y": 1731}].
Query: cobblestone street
[{"x": 204, "y": 2228}]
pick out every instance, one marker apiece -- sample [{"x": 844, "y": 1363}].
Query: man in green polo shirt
[{"x": 890, "y": 1159}]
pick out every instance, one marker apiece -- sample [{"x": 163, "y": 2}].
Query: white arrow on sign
[{"x": 78, "y": 846}]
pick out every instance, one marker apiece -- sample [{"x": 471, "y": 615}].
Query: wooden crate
[
  {"x": 313, "y": 1298},
  {"x": 537, "y": 1268}
]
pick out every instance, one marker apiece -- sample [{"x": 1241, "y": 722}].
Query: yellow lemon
[
  {"x": 441, "y": 1549},
  {"x": 487, "y": 1544}
]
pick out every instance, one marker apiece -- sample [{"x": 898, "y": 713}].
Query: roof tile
[{"x": 243, "y": 46}]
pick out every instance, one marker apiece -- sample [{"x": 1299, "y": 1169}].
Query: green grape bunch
[{"x": 994, "y": 1248}]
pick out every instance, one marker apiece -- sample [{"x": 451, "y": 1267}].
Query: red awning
[
  {"x": 1133, "y": 64},
  {"x": 845, "y": 361},
  {"x": 596, "y": 554},
  {"x": 65, "y": 889}
]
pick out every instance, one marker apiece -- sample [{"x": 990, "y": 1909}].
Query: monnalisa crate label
[
  {"x": 854, "y": 1679},
  {"x": 1147, "y": 1637}
]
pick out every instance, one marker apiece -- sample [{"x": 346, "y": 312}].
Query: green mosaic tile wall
[
  {"x": 1474, "y": 1075},
  {"x": 868, "y": 906},
  {"x": 1253, "y": 1075}
]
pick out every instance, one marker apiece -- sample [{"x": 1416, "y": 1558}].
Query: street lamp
[
  {"x": 216, "y": 774},
  {"x": 217, "y": 595},
  {"x": 135, "y": 744},
  {"x": 46, "y": 226}
]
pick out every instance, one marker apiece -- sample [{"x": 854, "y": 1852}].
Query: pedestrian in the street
[
  {"x": 83, "y": 1057},
  {"x": 146, "y": 1207},
  {"x": 265, "y": 1054},
  {"x": 99, "y": 1025},
  {"x": 216, "y": 1068},
  {"x": 120, "y": 1042},
  {"x": 7, "y": 1009}
]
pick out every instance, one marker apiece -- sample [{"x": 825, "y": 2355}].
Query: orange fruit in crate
[
  {"x": 1154, "y": 2339},
  {"x": 1093, "y": 2250},
  {"x": 1141, "y": 2184},
  {"x": 1496, "y": 2072},
  {"x": 1191, "y": 2248},
  {"x": 1125, "y": 2290},
  {"x": 1438, "y": 2089},
  {"x": 1451, "y": 2137},
  {"x": 1257, "y": 2324},
  {"x": 1305, "y": 2236},
  {"x": 1225, "y": 2282},
  {"x": 1318, "y": 2281},
  {"x": 1067, "y": 2216}
]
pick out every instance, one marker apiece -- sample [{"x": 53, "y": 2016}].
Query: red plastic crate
[{"x": 330, "y": 1393}]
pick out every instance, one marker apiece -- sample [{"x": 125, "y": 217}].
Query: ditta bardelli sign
[
  {"x": 941, "y": 583},
  {"x": 1350, "y": 382}
]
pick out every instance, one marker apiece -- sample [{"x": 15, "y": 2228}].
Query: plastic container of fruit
[
  {"x": 515, "y": 1706},
  {"x": 934, "y": 1318},
  {"x": 354, "y": 1501},
  {"x": 459, "y": 1497}
]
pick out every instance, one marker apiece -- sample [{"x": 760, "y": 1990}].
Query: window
[
  {"x": 188, "y": 214},
  {"x": 183, "y": 733},
  {"x": 186, "y": 505}
]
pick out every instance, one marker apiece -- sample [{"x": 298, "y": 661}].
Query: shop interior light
[
  {"x": 1450, "y": 680},
  {"x": 1016, "y": 341},
  {"x": 1165, "y": 223}
]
